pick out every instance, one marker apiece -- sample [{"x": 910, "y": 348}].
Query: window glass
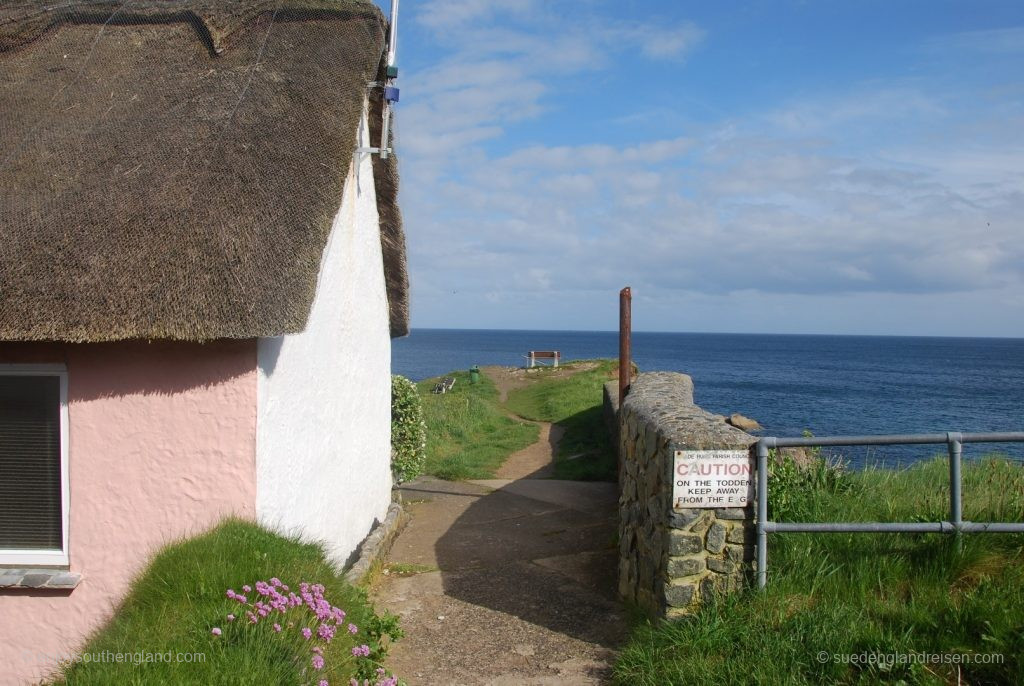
[{"x": 30, "y": 463}]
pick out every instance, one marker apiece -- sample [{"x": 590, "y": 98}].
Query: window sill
[{"x": 39, "y": 579}]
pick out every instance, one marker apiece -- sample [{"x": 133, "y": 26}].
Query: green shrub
[
  {"x": 799, "y": 491},
  {"x": 408, "y": 430}
]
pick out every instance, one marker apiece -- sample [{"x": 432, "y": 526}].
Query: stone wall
[{"x": 670, "y": 561}]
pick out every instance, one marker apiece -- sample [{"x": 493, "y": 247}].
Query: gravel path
[{"x": 521, "y": 587}]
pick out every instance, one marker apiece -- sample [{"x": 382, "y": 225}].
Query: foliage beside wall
[{"x": 408, "y": 430}]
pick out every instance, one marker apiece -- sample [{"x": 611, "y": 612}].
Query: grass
[
  {"x": 178, "y": 599},
  {"x": 380, "y": 570},
  {"x": 468, "y": 434},
  {"x": 408, "y": 569},
  {"x": 574, "y": 402},
  {"x": 853, "y": 594}
]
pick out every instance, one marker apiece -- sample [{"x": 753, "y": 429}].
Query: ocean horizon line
[{"x": 719, "y": 333}]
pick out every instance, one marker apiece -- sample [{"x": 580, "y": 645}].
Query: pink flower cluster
[
  {"x": 382, "y": 680},
  {"x": 274, "y": 598}
]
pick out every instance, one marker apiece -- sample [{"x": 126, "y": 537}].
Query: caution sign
[{"x": 712, "y": 478}]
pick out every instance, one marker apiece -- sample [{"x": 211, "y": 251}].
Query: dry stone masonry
[{"x": 672, "y": 560}]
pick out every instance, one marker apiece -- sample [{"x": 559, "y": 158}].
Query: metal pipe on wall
[
  {"x": 385, "y": 132},
  {"x": 393, "y": 34},
  {"x": 625, "y": 334}
]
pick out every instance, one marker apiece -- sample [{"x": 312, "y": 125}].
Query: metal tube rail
[
  {"x": 894, "y": 439},
  {"x": 954, "y": 442},
  {"x": 762, "y": 510},
  {"x": 891, "y": 527},
  {"x": 859, "y": 527}
]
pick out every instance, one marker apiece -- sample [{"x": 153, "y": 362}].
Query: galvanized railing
[{"x": 954, "y": 442}]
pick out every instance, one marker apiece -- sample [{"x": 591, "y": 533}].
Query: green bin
[{"x": 474, "y": 374}]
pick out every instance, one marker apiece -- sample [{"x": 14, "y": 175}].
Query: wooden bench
[
  {"x": 534, "y": 355},
  {"x": 444, "y": 385}
]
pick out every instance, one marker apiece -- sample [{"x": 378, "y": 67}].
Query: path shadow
[
  {"x": 543, "y": 551},
  {"x": 588, "y": 446}
]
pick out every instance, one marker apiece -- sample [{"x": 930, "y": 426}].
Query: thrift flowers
[
  {"x": 316, "y": 620},
  {"x": 382, "y": 680}
]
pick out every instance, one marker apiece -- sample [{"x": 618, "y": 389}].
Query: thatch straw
[{"x": 171, "y": 168}]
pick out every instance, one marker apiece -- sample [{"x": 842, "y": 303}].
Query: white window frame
[{"x": 47, "y": 558}]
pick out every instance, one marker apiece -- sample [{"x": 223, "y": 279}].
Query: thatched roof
[{"x": 171, "y": 168}]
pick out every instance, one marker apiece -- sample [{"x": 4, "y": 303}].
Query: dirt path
[
  {"x": 510, "y": 581},
  {"x": 508, "y": 379},
  {"x": 535, "y": 461}
]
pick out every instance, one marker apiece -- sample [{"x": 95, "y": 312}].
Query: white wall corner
[{"x": 323, "y": 449}]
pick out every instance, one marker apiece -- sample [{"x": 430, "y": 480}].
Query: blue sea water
[{"x": 829, "y": 385}]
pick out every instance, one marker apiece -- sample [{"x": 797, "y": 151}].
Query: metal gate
[{"x": 955, "y": 525}]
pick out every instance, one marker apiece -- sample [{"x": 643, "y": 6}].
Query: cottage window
[{"x": 33, "y": 465}]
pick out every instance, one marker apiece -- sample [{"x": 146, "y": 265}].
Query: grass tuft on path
[
  {"x": 177, "y": 601},
  {"x": 575, "y": 401},
  {"x": 894, "y": 596},
  {"x": 468, "y": 433}
]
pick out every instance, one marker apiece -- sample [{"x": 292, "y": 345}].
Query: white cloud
[
  {"x": 867, "y": 106},
  {"x": 878, "y": 192},
  {"x": 497, "y": 74},
  {"x": 654, "y": 40},
  {"x": 799, "y": 222}
]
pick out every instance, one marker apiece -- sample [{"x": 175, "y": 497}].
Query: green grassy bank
[
  {"x": 890, "y": 599},
  {"x": 572, "y": 397},
  {"x": 178, "y": 603},
  {"x": 468, "y": 433}
]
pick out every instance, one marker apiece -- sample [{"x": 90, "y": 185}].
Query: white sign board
[{"x": 712, "y": 478}]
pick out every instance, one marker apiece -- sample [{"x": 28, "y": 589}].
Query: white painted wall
[{"x": 323, "y": 445}]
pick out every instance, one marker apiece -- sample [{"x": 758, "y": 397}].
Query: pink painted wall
[{"x": 163, "y": 441}]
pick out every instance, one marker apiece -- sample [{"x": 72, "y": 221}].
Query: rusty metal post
[{"x": 625, "y": 331}]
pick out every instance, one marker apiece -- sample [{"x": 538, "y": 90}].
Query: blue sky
[{"x": 793, "y": 167}]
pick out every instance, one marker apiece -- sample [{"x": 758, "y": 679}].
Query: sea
[{"x": 828, "y": 385}]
